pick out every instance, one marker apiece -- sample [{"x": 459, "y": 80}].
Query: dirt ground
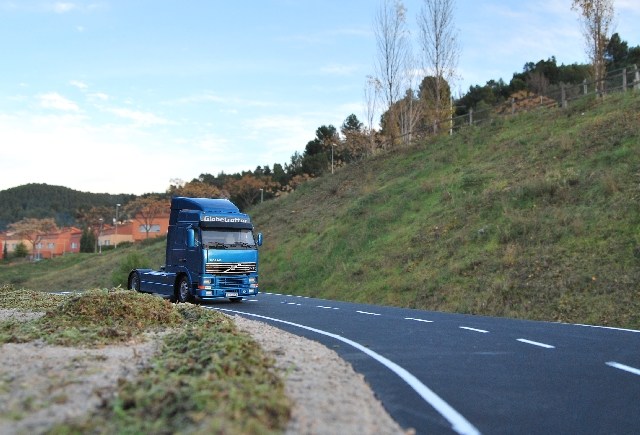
[{"x": 41, "y": 385}]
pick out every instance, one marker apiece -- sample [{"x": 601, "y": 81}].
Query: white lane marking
[
  {"x": 474, "y": 329},
  {"x": 624, "y": 367},
  {"x": 535, "y": 343},
  {"x": 370, "y": 314},
  {"x": 418, "y": 320},
  {"x": 327, "y": 308},
  {"x": 607, "y": 327},
  {"x": 458, "y": 423}
]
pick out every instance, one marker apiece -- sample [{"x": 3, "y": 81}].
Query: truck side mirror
[
  {"x": 191, "y": 238},
  {"x": 259, "y": 241}
]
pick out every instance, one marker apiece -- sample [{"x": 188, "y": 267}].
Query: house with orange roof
[
  {"x": 64, "y": 241},
  {"x": 134, "y": 230}
]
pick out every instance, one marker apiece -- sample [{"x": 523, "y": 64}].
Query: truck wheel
[
  {"x": 134, "y": 282},
  {"x": 183, "y": 293},
  {"x": 235, "y": 299}
]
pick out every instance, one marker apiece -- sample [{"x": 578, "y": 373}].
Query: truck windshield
[{"x": 228, "y": 238}]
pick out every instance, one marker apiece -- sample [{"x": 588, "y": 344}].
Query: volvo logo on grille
[{"x": 220, "y": 268}]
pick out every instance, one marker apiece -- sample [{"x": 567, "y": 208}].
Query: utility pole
[{"x": 116, "y": 225}]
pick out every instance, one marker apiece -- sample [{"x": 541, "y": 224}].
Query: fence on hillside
[{"x": 622, "y": 80}]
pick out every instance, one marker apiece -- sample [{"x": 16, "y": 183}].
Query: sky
[{"x": 125, "y": 96}]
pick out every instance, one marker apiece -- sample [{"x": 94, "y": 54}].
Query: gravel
[{"x": 41, "y": 385}]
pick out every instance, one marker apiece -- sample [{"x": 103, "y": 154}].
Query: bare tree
[
  {"x": 410, "y": 107},
  {"x": 372, "y": 89},
  {"x": 145, "y": 210},
  {"x": 597, "y": 22},
  {"x": 32, "y": 230},
  {"x": 439, "y": 42},
  {"x": 392, "y": 43}
]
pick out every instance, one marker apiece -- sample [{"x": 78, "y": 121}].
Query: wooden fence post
[
  {"x": 451, "y": 117},
  {"x": 564, "y": 96},
  {"x": 636, "y": 81},
  {"x": 513, "y": 106},
  {"x": 471, "y": 116},
  {"x": 624, "y": 80},
  {"x": 585, "y": 89}
]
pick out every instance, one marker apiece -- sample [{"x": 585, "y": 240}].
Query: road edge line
[{"x": 458, "y": 423}]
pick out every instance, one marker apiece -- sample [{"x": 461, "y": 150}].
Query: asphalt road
[{"x": 450, "y": 373}]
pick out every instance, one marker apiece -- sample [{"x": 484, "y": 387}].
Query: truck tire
[
  {"x": 134, "y": 281},
  {"x": 182, "y": 290},
  {"x": 235, "y": 299}
]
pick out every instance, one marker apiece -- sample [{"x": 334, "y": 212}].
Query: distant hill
[
  {"x": 45, "y": 201},
  {"x": 534, "y": 216}
]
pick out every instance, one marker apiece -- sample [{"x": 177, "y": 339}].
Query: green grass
[
  {"x": 535, "y": 216},
  {"x": 207, "y": 378},
  {"x": 84, "y": 271}
]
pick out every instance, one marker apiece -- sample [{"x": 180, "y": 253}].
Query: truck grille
[
  {"x": 231, "y": 283},
  {"x": 230, "y": 268}
]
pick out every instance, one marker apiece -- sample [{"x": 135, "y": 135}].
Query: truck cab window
[{"x": 229, "y": 238}]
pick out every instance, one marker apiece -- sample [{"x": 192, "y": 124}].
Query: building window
[
  {"x": 152, "y": 228},
  {"x": 38, "y": 245},
  {"x": 74, "y": 245},
  {"x": 51, "y": 245}
]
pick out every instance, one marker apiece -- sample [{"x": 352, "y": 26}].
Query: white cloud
[
  {"x": 141, "y": 118},
  {"x": 53, "y": 100},
  {"x": 98, "y": 96},
  {"x": 63, "y": 7},
  {"x": 78, "y": 84},
  {"x": 209, "y": 97},
  {"x": 338, "y": 69},
  {"x": 66, "y": 150}
]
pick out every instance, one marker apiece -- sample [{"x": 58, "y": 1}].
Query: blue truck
[{"x": 211, "y": 254}]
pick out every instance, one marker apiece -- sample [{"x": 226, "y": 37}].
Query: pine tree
[{"x": 87, "y": 241}]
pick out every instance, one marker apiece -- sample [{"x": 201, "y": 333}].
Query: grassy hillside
[
  {"x": 535, "y": 216},
  {"x": 84, "y": 271}
]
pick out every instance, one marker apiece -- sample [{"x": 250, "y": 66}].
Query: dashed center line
[
  {"x": 629, "y": 369},
  {"x": 418, "y": 320},
  {"x": 370, "y": 314},
  {"x": 327, "y": 308},
  {"x": 535, "y": 343},
  {"x": 474, "y": 329}
]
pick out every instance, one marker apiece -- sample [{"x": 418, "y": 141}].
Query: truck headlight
[{"x": 206, "y": 281}]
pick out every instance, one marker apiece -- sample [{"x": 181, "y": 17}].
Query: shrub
[{"x": 133, "y": 260}]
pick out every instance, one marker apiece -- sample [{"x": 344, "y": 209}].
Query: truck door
[
  {"x": 193, "y": 253},
  {"x": 178, "y": 246},
  {"x": 186, "y": 251}
]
